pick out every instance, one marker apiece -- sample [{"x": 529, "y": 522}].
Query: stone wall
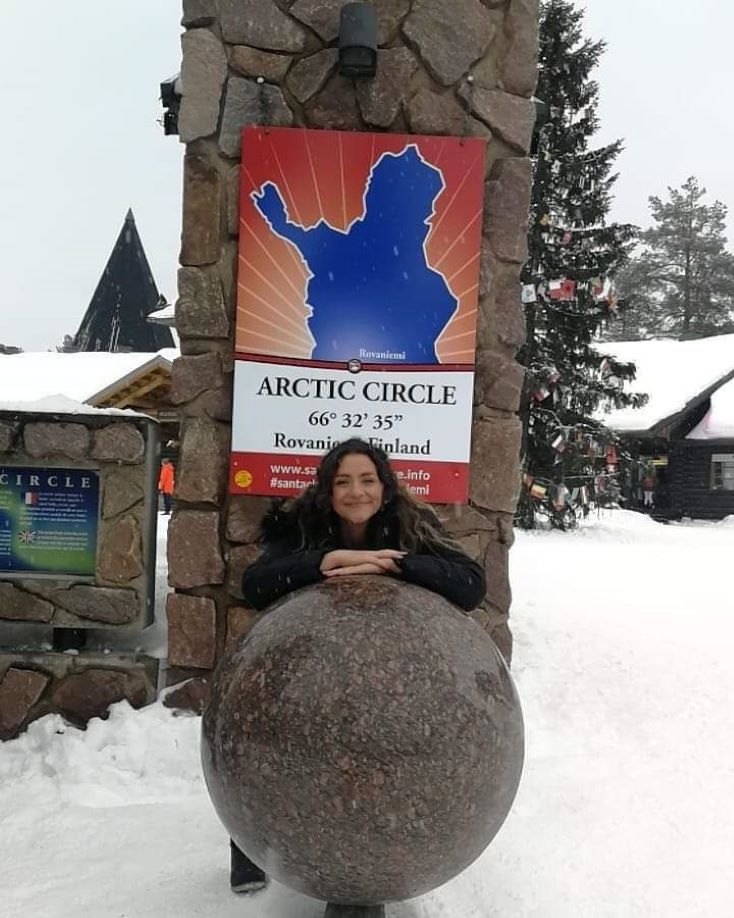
[
  {"x": 444, "y": 67},
  {"x": 34, "y": 680}
]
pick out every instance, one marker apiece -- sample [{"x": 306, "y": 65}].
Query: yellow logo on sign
[{"x": 243, "y": 478}]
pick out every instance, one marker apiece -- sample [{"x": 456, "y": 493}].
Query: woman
[{"x": 356, "y": 519}]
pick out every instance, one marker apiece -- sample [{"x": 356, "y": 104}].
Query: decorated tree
[
  {"x": 681, "y": 281},
  {"x": 574, "y": 254}
]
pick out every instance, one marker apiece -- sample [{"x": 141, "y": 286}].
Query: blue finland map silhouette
[{"x": 372, "y": 294}]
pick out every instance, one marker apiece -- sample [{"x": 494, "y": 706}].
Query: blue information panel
[{"x": 48, "y": 521}]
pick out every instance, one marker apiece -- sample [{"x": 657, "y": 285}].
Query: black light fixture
[
  {"x": 358, "y": 41},
  {"x": 171, "y": 102}
]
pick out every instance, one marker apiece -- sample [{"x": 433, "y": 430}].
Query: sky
[{"x": 79, "y": 87}]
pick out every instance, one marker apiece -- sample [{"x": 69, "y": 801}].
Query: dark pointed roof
[{"x": 116, "y": 318}]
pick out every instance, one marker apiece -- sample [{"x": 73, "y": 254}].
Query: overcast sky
[{"x": 81, "y": 143}]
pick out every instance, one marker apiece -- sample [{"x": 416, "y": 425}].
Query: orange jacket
[{"x": 165, "y": 479}]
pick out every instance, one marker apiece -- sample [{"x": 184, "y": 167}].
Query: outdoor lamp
[
  {"x": 171, "y": 102},
  {"x": 358, "y": 40}
]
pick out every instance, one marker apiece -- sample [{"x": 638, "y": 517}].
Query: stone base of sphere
[{"x": 364, "y": 743}]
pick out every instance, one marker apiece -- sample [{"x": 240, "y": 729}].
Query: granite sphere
[{"x": 364, "y": 743}]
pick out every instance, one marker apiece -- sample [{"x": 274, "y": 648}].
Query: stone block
[
  {"x": 99, "y": 604},
  {"x": 203, "y": 72},
  {"x": 238, "y": 559},
  {"x": 254, "y": 63},
  {"x": 380, "y": 99},
  {"x": 82, "y": 696},
  {"x": 201, "y": 212},
  {"x": 320, "y": 15},
  {"x": 471, "y": 545},
  {"x": 244, "y": 518},
  {"x": 203, "y": 462},
  {"x": 20, "y": 689},
  {"x": 120, "y": 557},
  {"x": 120, "y": 491},
  {"x": 248, "y": 102},
  {"x": 449, "y": 37},
  {"x": 190, "y": 376},
  {"x": 198, "y": 12},
  {"x": 494, "y": 464},
  {"x": 519, "y": 67},
  {"x": 335, "y": 107},
  {"x": 17, "y": 605},
  {"x": 496, "y": 569},
  {"x": 308, "y": 76},
  {"x": 390, "y": 14},
  {"x": 508, "y": 117},
  {"x": 260, "y": 23},
  {"x": 239, "y": 621},
  {"x": 7, "y": 437},
  {"x": 118, "y": 443},
  {"x": 215, "y": 404},
  {"x": 194, "y": 556},
  {"x": 506, "y": 207},
  {"x": 486, "y": 271},
  {"x": 501, "y": 316},
  {"x": 506, "y": 530},
  {"x": 498, "y": 381},
  {"x": 45, "y": 440},
  {"x": 200, "y": 309},
  {"x": 442, "y": 113},
  {"x": 461, "y": 519},
  {"x": 190, "y": 696},
  {"x": 191, "y": 631},
  {"x": 232, "y": 191}
]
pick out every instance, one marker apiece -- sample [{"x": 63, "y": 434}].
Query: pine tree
[
  {"x": 574, "y": 254},
  {"x": 681, "y": 282}
]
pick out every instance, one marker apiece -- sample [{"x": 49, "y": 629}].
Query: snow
[
  {"x": 671, "y": 372},
  {"x": 31, "y": 376},
  {"x": 718, "y": 422},
  {"x": 62, "y": 404},
  {"x": 623, "y": 632},
  {"x": 163, "y": 315}
]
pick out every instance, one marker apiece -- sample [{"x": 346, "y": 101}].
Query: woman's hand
[{"x": 345, "y": 561}]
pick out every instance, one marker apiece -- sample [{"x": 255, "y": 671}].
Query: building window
[{"x": 722, "y": 472}]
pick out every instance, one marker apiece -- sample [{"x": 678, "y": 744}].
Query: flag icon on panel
[{"x": 31, "y": 498}]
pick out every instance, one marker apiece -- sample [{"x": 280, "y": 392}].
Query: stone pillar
[{"x": 446, "y": 67}]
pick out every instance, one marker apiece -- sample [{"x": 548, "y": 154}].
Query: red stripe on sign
[
  {"x": 286, "y": 475},
  {"x": 364, "y": 367}
]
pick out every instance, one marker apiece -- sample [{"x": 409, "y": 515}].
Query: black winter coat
[{"x": 283, "y": 567}]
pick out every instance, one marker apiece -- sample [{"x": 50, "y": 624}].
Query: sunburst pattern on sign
[{"x": 322, "y": 175}]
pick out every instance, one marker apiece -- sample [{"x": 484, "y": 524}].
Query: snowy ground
[{"x": 623, "y": 633}]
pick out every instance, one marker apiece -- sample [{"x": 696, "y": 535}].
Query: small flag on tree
[
  {"x": 559, "y": 444},
  {"x": 562, "y": 289},
  {"x": 528, "y": 294}
]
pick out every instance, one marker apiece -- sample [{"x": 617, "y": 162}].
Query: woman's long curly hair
[{"x": 417, "y": 525}]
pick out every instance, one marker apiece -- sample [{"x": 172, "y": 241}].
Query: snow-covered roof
[
  {"x": 164, "y": 316},
  {"x": 62, "y": 404},
  {"x": 673, "y": 373},
  {"x": 83, "y": 377},
  {"x": 718, "y": 423}
]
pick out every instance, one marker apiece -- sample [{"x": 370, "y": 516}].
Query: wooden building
[
  {"x": 117, "y": 316},
  {"x": 684, "y": 435},
  {"x": 702, "y": 462}
]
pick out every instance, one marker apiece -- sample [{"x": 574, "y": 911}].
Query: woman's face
[{"x": 356, "y": 492}]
